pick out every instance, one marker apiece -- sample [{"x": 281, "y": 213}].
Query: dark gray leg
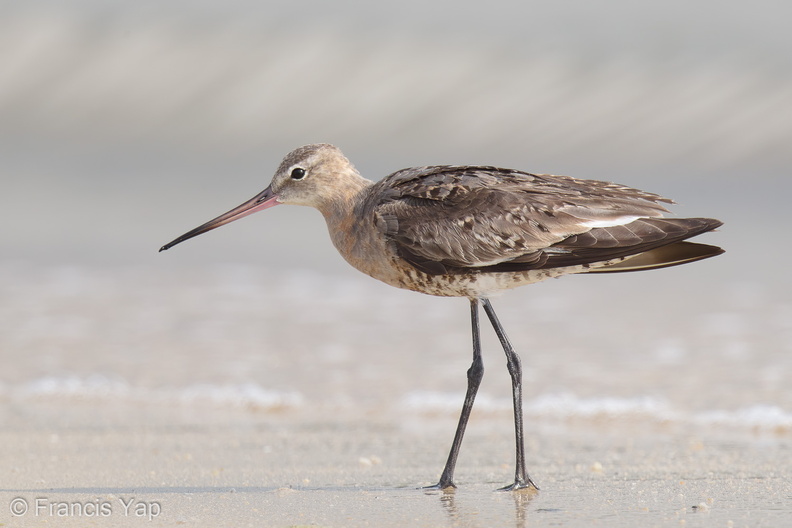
[
  {"x": 474, "y": 375},
  {"x": 521, "y": 478}
]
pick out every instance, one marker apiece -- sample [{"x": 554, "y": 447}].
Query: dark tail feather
[
  {"x": 644, "y": 239},
  {"x": 663, "y": 257}
]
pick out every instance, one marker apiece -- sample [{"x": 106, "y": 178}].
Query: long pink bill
[{"x": 264, "y": 200}]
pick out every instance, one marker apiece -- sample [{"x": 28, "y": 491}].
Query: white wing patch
[{"x": 622, "y": 220}]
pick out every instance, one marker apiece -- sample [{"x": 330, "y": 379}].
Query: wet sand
[
  {"x": 253, "y": 468},
  {"x": 138, "y": 398}
]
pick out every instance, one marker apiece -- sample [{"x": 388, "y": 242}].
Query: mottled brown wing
[{"x": 447, "y": 218}]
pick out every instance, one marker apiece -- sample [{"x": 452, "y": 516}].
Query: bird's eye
[{"x": 297, "y": 174}]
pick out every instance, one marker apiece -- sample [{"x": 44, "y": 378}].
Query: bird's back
[{"x": 465, "y": 221}]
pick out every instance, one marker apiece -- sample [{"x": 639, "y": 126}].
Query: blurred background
[{"x": 124, "y": 124}]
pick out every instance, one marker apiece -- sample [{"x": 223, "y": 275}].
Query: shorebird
[{"x": 473, "y": 231}]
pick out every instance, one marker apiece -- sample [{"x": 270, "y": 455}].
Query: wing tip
[{"x": 663, "y": 257}]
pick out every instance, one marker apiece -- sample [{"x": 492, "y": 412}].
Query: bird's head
[{"x": 314, "y": 175}]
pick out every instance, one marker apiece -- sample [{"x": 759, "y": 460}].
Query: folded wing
[{"x": 446, "y": 220}]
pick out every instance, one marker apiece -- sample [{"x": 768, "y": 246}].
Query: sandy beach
[
  {"x": 278, "y": 470},
  {"x": 228, "y": 414}
]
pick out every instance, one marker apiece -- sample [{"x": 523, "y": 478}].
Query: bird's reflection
[
  {"x": 458, "y": 514},
  {"x": 521, "y": 500}
]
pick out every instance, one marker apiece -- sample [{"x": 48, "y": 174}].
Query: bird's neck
[
  {"x": 339, "y": 206},
  {"x": 348, "y": 230}
]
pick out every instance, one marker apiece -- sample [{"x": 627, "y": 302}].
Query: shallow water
[{"x": 240, "y": 337}]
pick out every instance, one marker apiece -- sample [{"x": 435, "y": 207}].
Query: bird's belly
[{"x": 471, "y": 285}]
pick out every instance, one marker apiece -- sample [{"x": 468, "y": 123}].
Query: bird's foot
[
  {"x": 521, "y": 484},
  {"x": 441, "y": 486}
]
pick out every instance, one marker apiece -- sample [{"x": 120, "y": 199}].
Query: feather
[{"x": 455, "y": 219}]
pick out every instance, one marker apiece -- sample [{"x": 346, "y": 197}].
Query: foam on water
[
  {"x": 72, "y": 387},
  {"x": 556, "y": 405},
  {"x": 97, "y": 387},
  {"x": 550, "y": 406},
  {"x": 570, "y": 406},
  {"x": 244, "y": 395},
  {"x": 755, "y": 416}
]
